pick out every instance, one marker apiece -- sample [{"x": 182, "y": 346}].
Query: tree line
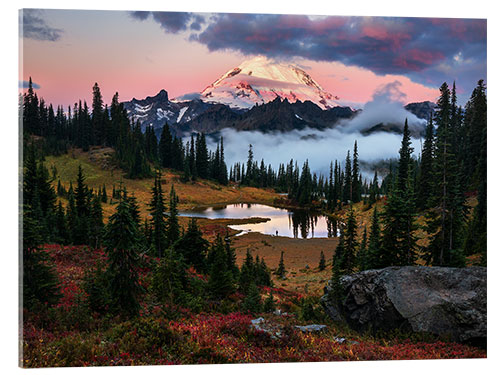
[
  {"x": 128, "y": 241},
  {"x": 137, "y": 153},
  {"x": 452, "y": 166}
]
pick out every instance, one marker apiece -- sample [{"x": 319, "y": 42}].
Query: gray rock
[
  {"x": 312, "y": 328},
  {"x": 447, "y": 302}
]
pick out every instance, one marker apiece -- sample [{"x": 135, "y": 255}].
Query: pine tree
[
  {"x": 398, "y": 243},
  {"x": 269, "y": 304},
  {"x": 96, "y": 222},
  {"x": 252, "y": 301},
  {"x": 121, "y": 245},
  {"x": 247, "y": 273},
  {"x": 356, "y": 178},
  {"x": 165, "y": 147},
  {"x": 220, "y": 282},
  {"x": 347, "y": 186},
  {"x": 445, "y": 223},
  {"x": 322, "y": 261},
  {"x": 426, "y": 168},
  {"x": 173, "y": 227},
  {"x": 350, "y": 244},
  {"x": 363, "y": 252},
  {"x": 40, "y": 283},
  {"x": 281, "y": 271},
  {"x": 193, "y": 247},
  {"x": 374, "y": 244},
  {"x": 157, "y": 210}
]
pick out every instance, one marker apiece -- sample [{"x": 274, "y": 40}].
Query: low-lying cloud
[
  {"x": 387, "y": 107},
  {"x": 320, "y": 147}
]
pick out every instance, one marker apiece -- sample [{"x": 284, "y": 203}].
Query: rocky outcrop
[{"x": 447, "y": 302}]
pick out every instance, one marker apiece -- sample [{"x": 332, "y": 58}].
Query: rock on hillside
[{"x": 447, "y": 302}]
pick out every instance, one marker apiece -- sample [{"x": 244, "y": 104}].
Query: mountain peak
[{"x": 260, "y": 80}]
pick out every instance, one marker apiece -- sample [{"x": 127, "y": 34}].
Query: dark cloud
[
  {"x": 383, "y": 45},
  {"x": 33, "y": 26},
  {"x": 140, "y": 15},
  {"x": 25, "y": 85},
  {"x": 172, "y": 22},
  {"x": 427, "y": 50}
]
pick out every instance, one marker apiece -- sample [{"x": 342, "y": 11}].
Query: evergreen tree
[
  {"x": 193, "y": 247},
  {"x": 281, "y": 271},
  {"x": 121, "y": 245},
  {"x": 269, "y": 304},
  {"x": 356, "y": 178},
  {"x": 173, "y": 227},
  {"x": 426, "y": 168},
  {"x": 157, "y": 210},
  {"x": 445, "y": 223},
  {"x": 374, "y": 244},
  {"x": 348, "y": 261},
  {"x": 322, "y": 261},
  {"x": 363, "y": 252},
  {"x": 252, "y": 301},
  {"x": 347, "y": 187},
  {"x": 247, "y": 273},
  {"x": 165, "y": 147},
  {"x": 398, "y": 244},
  {"x": 96, "y": 222},
  {"x": 220, "y": 282}
]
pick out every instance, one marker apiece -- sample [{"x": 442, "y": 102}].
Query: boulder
[
  {"x": 443, "y": 301},
  {"x": 312, "y": 328}
]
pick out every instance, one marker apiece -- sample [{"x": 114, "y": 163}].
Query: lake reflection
[{"x": 283, "y": 222}]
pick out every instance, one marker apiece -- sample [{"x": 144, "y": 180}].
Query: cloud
[
  {"x": 381, "y": 44},
  {"x": 172, "y": 22},
  {"x": 317, "y": 146},
  {"x": 25, "y": 85},
  {"x": 320, "y": 147},
  {"x": 416, "y": 47},
  {"x": 189, "y": 96},
  {"x": 386, "y": 107},
  {"x": 33, "y": 26}
]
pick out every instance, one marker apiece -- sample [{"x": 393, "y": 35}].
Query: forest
[{"x": 129, "y": 288}]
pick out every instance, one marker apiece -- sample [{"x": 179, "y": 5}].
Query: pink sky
[{"x": 137, "y": 59}]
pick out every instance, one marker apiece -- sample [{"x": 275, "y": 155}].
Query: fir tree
[
  {"x": 193, "y": 247},
  {"x": 252, "y": 301},
  {"x": 281, "y": 271},
  {"x": 356, "y": 178},
  {"x": 322, "y": 261},
  {"x": 173, "y": 227},
  {"x": 121, "y": 246},
  {"x": 426, "y": 168},
  {"x": 446, "y": 222},
  {"x": 220, "y": 282},
  {"x": 269, "y": 304},
  {"x": 158, "y": 223}
]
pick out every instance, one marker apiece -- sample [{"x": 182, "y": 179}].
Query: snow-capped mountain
[
  {"x": 261, "y": 80},
  {"x": 156, "y": 110}
]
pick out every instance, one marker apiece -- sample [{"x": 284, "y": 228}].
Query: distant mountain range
[{"x": 259, "y": 95}]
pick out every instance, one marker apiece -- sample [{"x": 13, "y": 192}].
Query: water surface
[{"x": 282, "y": 222}]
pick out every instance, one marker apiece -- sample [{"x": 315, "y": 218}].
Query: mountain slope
[
  {"x": 156, "y": 110},
  {"x": 276, "y": 115},
  {"x": 261, "y": 80}
]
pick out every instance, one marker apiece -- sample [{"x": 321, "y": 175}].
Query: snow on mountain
[
  {"x": 157, "y": 110},
  {"x": 261, "y": 80}
]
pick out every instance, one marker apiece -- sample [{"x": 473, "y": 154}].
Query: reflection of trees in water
[
  {"x": 332, "y": 227},
  {"x": 302, "y": 222}
]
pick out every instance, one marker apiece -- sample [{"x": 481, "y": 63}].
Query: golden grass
[{"x": 98, "y": 171}]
